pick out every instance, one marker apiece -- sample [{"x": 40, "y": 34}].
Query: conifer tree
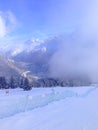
[{"x": 26, "y": 84}]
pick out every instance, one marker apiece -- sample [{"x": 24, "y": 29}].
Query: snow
[{"x": 57, "y": 108}]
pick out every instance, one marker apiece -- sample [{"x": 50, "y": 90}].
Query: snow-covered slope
[
  {"x": 46, "y": 109},
  {"x": 9, "y": 67},
  {"x": 37, "y": 54}
]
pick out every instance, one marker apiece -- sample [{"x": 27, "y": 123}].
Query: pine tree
[
  {"x": 26, "y": 84},
  {"x": 12, "y": 82},
  {"x": 3, "y": 83},
  {"x": 21, "y": 82}
]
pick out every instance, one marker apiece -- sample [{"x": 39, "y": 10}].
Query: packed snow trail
[{"x": 12, "y": 104}]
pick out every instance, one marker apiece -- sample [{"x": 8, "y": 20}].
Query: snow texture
[{"x": 49, "y": 108}]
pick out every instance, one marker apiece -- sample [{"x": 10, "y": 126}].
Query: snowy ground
[{"x": 59, "y": 108}]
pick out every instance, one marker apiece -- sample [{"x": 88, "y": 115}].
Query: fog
[{"x": 78, "y": 53}]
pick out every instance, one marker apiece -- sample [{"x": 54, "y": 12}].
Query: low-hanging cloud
[{"x": 78, "y": 53}]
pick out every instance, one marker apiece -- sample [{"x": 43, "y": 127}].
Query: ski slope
[{"x": 57, "y": 108}]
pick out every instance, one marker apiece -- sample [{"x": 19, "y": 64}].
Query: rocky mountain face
[
  {"x": 10, "y": 68},
  {"x": 37, "y": 57},
  {"x": 28, "y": 60}
]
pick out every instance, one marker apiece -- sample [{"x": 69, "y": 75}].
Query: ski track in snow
[{"x": 29, "y": 102}]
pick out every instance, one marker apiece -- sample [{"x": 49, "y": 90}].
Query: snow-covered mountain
[
  {"x": 31, "y": 45},
  {"x": 9, "y": 67},
  {"x": 27, "y": 46},
  {"x": 31, "y": 56},
  {"x": 37, "y": 56},
  {"x": 35, "y": 53}
]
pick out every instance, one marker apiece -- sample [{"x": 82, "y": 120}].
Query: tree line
[
  {"x": 23, "y": 82},
  {"x": 13, "y": 82}
]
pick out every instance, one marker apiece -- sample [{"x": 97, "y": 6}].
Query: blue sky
[
  {"x": 40, "y": 17},
  {"x": 22, "y": 19}
]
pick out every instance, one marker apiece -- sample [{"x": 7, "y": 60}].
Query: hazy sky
[{"x": 21, "y": 19}]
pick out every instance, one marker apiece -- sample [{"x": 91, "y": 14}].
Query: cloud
[
  {"x": 8, "y": 23},
  {"x": 12, "y": 22},
  {"x": 3, "y": 30},
  {"x": 78, "y": 53}
]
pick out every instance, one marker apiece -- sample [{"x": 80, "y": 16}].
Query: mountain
[
  {"x": 29, "y": 58},
  {"x": 32, "y": 60},
  {"x": 10, "y": 68},
  {"x": 27, "y": 46},
  {"x": 36, "y": 54}
]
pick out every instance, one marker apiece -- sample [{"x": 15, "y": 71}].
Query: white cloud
[
  {"x": 12, "y": 22},
  {"x": 8, "y": 23},
  {"x": 3, "y": 30},
  {"x": 79, "y": 53}
]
